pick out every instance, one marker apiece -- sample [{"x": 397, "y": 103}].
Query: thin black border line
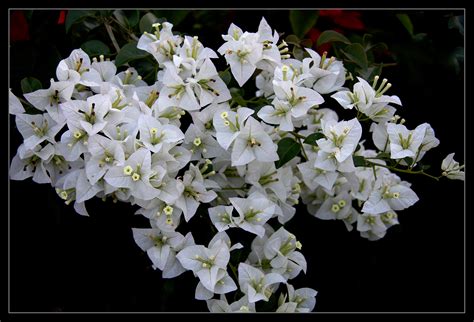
[{"x": 254, "y": 9}]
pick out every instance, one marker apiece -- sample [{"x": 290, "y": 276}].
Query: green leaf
[
  {"x": 173, "y": 16},
  {"x": 312, "y": 138},
  {"x": 226, "y": 76},
  {"x": 332, "y": 36},
  {"x": 406, "y": 22},
  {"x": 146, "y": 68},
  {"x": 359, "y": 161},
  {"x": 408, "y": 160},
  {"x": 30, "y": 84},
  {"x": 133, "y": 17},
  {"x": 287, "y": 150},
  {"x": 147, "y": 21},
  {"x": 306, "y": 43},
  {"x": 76, "y": 16},
  {"x": 302, "y": 21},
  {"x": 356, "y": 53},
  {"x": 383, "y": 155},
  {"x": 293, "y": 40},
  {"x": 128, "y": 53},
  {"x": 95, "y": 48}
]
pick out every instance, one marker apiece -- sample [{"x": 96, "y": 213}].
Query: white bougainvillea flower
[
  {"x": 271, "y": 56},
  {"x": 371, "y": 225},
  {"x": 206, "y": 263},
  {"x": 201, "y": 144},
  {"x": 328, "y": 74},
  {"x": 105, "y": 154},
  {"x": 403, "y": 142},
  {"x": 451, "y": 168},
  {"x": 14, "y": 104},
  {"x": 134, "y": 174},
  {"x": 278, "y": 113},
  {"x": 161, "y": 247},
  {"x": 254, "y": 212},
  {"x": 341, "y": 139},
  {"x": 71, "y": 68},
  {"x": 162, "y": 44},
  {"x": 222, "y": 306},
  {"x": 228, "y": 124},
  {"x": 154, "y": 135},
  {"x": 36, "y": 129},
  {"x": 301, "y": 99},
  {"x": 253, "y": 143},
  {"x": 389, "y": 193},
  {"x": 304, "y": 300},
  {"x": 257, "y": 285},
  {"x": 87, "y": 115},
  {"x": 337, "y": 207},
  {"x": 31, "y": 163},
  {"x": 192, "y": 192},
  {"x": 242, "y": 52},
  {"x": 51, "y": 98},
  {"x": 221, "y": 217},
  {"x": 314, "y": 177}
]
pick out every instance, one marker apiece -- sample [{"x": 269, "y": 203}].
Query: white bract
[{"x": 234, "y": 165}]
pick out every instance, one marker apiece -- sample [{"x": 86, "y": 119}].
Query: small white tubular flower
[
  {"x": 257, "y": 285},
  {"x": 300, "y": 99},
  {"x": 279, "y": 113},
  {"x": 328, "y": 74},
  {"x": 253, "y": 143},
  {"x": 403, "y": 142},
  {"x": 14, "y": 104},
  {"x": 154, "y": 135},
  {"x": 254, "y": 212},
  {"x": 242, "y": 54},
  {"x": 341, "y": 139},
  {"x": 451, "y": 168},
  {"x": 134, "y": 174},
  {"x": 337, "y": 207},
  {"x": 201, "y": 144},
  {"x": 228, "y": 124}
]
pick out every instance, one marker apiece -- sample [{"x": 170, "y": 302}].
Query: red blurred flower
[
  {"x": 62, "y": 17},
  {"x": 314, "y": 34},
  {"x": 344, "y": 18},
  {"x": 18, "y": 26}
]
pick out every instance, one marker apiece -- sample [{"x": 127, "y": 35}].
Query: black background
[{"x": 63, "y": 262}]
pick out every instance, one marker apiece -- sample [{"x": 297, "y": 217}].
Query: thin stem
[
  {"x": 234, "y": 271},
  {"x": 302, "y": 148},
  {"x": 405, "y": 171},
  {"x": 112, "y": 36}
]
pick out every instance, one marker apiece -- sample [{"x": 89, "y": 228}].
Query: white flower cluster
[{"x": 99, "y": 133}]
